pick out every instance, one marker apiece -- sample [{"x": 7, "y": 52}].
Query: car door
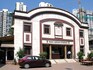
[
  {"x": 38, "y": 61},
  {"x": 30, "y": 61}
]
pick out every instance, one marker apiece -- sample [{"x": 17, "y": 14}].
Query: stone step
[
  {"x": 9, "y": 62},
  {"x": 70, "y": 60},
  {"x": 57, "y": 61}
]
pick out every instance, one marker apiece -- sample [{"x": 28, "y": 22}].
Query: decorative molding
[{"x": 59, "y": 24}]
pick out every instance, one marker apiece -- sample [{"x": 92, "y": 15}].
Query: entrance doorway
[
  {"x": 69, "y": 52},
  {"x": 58, "y": 51},
  {"x": 2, "y": 56},
  {"x": 61, "y": 52},
  {"x": 10, "y": 55},
  {"x": 46, "y": 49},
  {"x": 28, "y": 50}
]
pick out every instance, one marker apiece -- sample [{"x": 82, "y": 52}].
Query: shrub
[
  {"x": 80, "y": 55},
  {"x": 43, "y": 55},
  {"x": 90, "y": 55},
  {"x": 20, "y": 53}
]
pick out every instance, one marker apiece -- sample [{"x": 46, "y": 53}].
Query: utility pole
[
  {"x": 79, "y": 4},
  {"x": 80, "y": 11}
]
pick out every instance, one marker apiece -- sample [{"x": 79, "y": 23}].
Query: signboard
[{"x": 57, "y": 42}]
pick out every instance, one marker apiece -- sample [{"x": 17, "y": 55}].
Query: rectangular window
[
  {"x": 27, "y": 37},
  {"x": 81, "y": 41},
  {"x": 81, "y": 33},
  {"x": 46, "y": 29},
  {"x": 27, "y": 50},
  {"x": 82, "y": 49},
  {"x": 27, "y": 27},
  {"x": 68, "y": 31}
]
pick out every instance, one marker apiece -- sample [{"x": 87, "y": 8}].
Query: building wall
[
  {"x": 35, "y": 37},
  {"x": 86, "y": 42},
  {"x": 18, "y": 35}
]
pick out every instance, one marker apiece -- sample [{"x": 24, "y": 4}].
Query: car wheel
[
  {"x": 47, "y": 65},
  {"x": 26, "y": 66}
]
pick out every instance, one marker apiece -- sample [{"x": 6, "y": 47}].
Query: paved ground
[{"x": 62, "y": 66}]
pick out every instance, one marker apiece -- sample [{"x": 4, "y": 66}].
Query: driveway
[{"x": 62, "y": 66}]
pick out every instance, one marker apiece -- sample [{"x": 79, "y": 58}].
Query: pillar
[
  {"x": 72, "y": 47},
  {"x": 6, "y": 54},
  {"x": 65, "y": 52},
  {"x": 50, "y": 52}
]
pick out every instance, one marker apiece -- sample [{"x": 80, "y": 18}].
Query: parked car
[{"x": 33, "y": 61}]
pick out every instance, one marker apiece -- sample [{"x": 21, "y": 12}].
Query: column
[
  {"x": 65, "y": 52},
  {"x": 73, "y": 52},
  {"x": 6, "y": 54},
  {"x": 50, "y": 52}
]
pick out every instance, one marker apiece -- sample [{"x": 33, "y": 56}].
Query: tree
[{"x": 11, "y": 31}]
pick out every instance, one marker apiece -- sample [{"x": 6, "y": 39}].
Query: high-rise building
[
  {"x": 20, "y": 6},
  {"x": 85, "y": 16},
  {"x": 5, "y": 22},
  {"x": 0, "y": 23},
  {"x": 6, "y": 19}
]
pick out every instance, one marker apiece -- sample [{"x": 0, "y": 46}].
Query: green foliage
[
  {"x": 11, "y": 31},
  {"x": 43, "y": 55},
  {"x": 20, "y": 53},
  {"x": 90, "y": 55},
  {"x": 80, "y": 55}
]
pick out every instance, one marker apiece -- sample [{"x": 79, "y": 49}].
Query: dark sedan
[{"x": 33, "y": 61}]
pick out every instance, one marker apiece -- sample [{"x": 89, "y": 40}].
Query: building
[
  {"x": 6, "y": 49},
  {"x": 1, "y": 24},
  {"x": 5, "y": 22},
  {"x": 21, "y": 6},
  {"x": 51, "y": 30},
  {"x": 86, "y": 16}
]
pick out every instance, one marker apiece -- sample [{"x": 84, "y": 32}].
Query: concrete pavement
[{"x": 61, "y": 66}]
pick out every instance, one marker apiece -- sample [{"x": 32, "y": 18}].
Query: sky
[{"x": 68, "y": 5}]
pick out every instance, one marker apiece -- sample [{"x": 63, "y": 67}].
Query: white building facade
[{"x": 51, "y": 30}]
